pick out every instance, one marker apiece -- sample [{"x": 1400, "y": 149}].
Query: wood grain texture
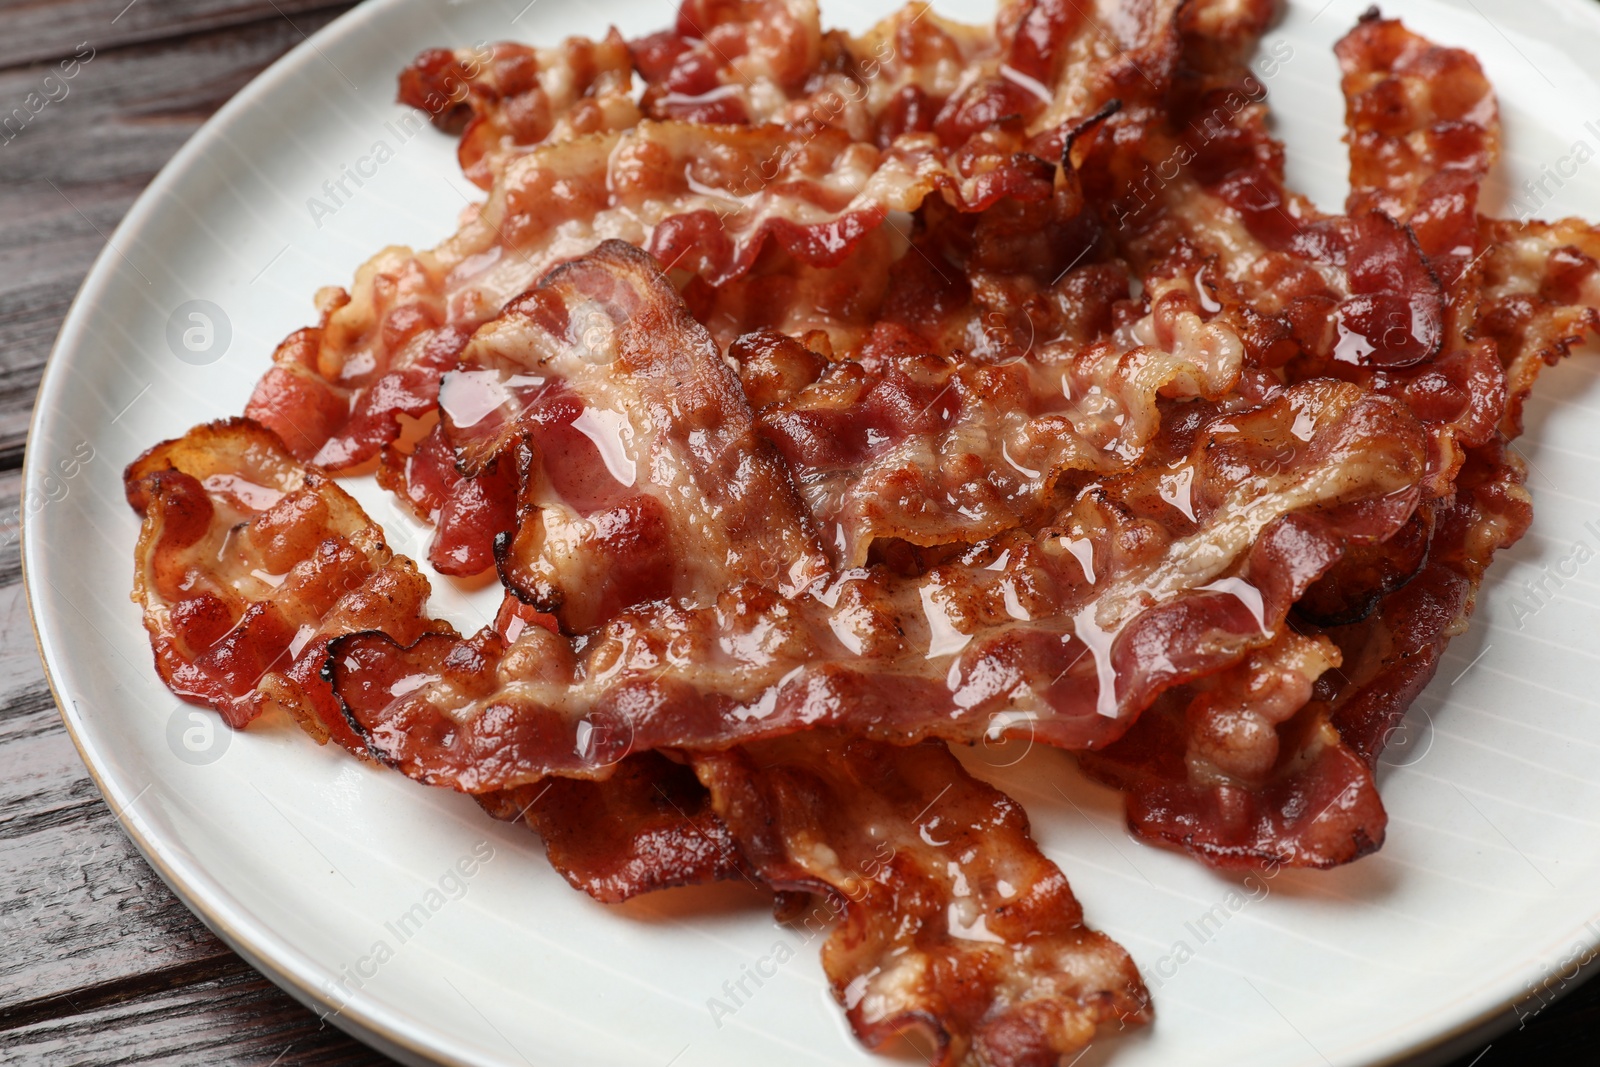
[
  {"x": 106, "y": 919},
  {"x": 70, "y": 174},
  {"x": 234, "y": 1018},
  {"x": 99, "y": 963},
  {"x": 38, "y": 30}
]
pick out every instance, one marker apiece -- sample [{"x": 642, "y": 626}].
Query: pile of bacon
[{"x": 839, "y": 398}]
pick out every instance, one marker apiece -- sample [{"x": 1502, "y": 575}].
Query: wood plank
[
  {"x": 80, "y": 910},
  {"x": 128, "y": 110},
  {"x": 73, "y": 172},
  {"x": 39, "y": 30},
  {"x": 234, "y": 1019},
  {"x": 46, "y": 247}
]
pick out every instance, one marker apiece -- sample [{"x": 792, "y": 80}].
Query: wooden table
[{"x": 99, "y": 963}]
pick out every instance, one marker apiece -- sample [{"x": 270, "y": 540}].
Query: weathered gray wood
[
  {"x": 80, "y": 909},
  {"x": 45, "y": 250},
  {"x": 72, "y": 172},
  {"x": 127, "y": 110},
  {"x": 50, "y": 29},
  {"x": 233, "y": 1019}
]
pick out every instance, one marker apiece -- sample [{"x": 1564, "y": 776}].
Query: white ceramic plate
[{"x": 305, "y": 860}]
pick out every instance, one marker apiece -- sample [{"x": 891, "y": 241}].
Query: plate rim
[{"x": 361, "y": 1016}]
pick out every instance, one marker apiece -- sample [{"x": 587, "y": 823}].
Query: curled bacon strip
[
  {"x": 1274, "y": 762},
  {"x": 646, "y": 479},
  {"x": 467, "y": 513},
  {"x": 1424, "y": 131},
  {"x": 951, "y": 920},
  {"x": 935, "y": 450},
  {"x": 1540, "y": 299},
  {"x": 508, "y": 96},
  {"x": 729, "y": 61},
  {"x": 1491, "y": 511},
  {"x": 649, "y": 826},
  {"x": 1286, "y": 775},
  {"x": 248, "y": 564},
  {"x": 1244, "y": 769}
]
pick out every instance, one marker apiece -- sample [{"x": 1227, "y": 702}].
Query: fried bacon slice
[
  {"x": 1540, "y": 299},
  {"x": 649, "y": 826},
  {"x": 1170, "y": 572},
  {"x": 1424, "y": 129},
  {"x": 951, "y": 921},
  {"x": 643, "y": 476},
  {"x": 508, "y": 96},
  {"x": 1424, "y": 132},
  {"x": 248, "y": 564},
  {"x": 1273, "y": 762},
  {"x": 1304, "y": 794},
  {"x": 938, "y": 450},
  {"x": 896, "y": 78},
  {"x": 1245, "y": 767},
  {"x": 1196, "y": 186},
  {"x": 729, "y": 62},
  {"x": 1391, "y": 658}
]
